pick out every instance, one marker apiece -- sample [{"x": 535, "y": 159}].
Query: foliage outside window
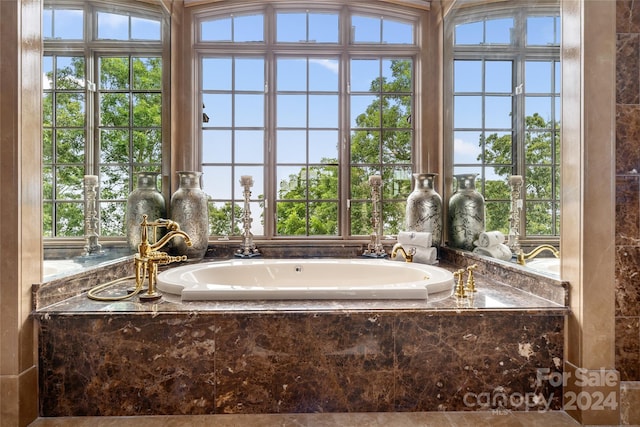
[
  {"x": 102, "y": 107},
  {"x": 506, "y": 113},
  {"x": 310, "y": 109}
]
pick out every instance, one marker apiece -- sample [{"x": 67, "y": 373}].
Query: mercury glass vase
[
  {"x": 466, "y": 213},
  {"x": 424, "y": 207},
  {"x": 190, "y": 209},
  {"x": 146, "y": 199}
]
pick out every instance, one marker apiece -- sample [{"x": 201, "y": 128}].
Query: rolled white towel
[
  {"x": 415, "y": 239},
  {"x": 426, "y": 255},
  {"x": 499, "y": 251},
  {"x": 488, "y": 239}
]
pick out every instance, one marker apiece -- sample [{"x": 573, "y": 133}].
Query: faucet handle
[
  {"x": 459, "y": 291},
  {"x": 166, "y": 223},
  {"x": 471, "y": 282}
]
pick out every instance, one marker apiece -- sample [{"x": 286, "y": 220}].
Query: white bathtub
[
  {"x": 545, "y": 265},
  {"x": 304, "y": 278}
]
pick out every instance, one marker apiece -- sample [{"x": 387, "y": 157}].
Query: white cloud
[
  {"x": 329, "y": 64},
  {"x": 463, "y": 149}
]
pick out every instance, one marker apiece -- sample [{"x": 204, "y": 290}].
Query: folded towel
[
  {"x": 420, "y": 255},
  {"x": 488, "y": 239},
  {"x": 415, "y": 239},
  {"x": 500, "y": 251},
  {"x": 426, "y": 255}
]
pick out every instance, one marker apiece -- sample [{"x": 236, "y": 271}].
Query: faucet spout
[
  {"x": 523, "y": 257},
  {"x": 170, "y": 236},
  {"x": 408, "y": 256},
  {"x": 149, "y": 257}
]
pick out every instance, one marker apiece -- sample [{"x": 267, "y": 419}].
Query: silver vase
[
  {"x": 466, "y": 213},
  {"x": 144, "y": 200},
  {"x": 424, "y": 207},
  {"x": 190, "y": 209}
]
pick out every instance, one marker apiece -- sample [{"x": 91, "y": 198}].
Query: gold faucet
[
  {"x": 522, "y": 257},
  {"x": 148, "y": 258},
  {"x": 471, "y": 282},
  {"x": 408, "y": 256},
  {"x": 459, "y": 291},
  {"x": 146, "y": 262}
]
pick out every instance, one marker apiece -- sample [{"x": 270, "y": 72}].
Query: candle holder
[
  {"x": 513, "y": 240},
  {"x": 91, "y": 221},
  {"x": 374, "y": 248},
  {"x": 248, "y": 249}
]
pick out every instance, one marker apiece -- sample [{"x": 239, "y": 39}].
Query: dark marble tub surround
[
  {"x": 154, "y": 362},
  {"x": 208, "y": 357}
]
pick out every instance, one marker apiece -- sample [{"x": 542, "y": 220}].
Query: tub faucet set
[
  {"x": 148, "y": 258},
  {"x": 146, "y": 261},
  {"x": 461, "y": 290}
]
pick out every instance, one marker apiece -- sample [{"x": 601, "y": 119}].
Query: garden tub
[{"x": 305, "y": 278}]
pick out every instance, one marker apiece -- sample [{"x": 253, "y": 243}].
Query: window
[
  {"x": 103, "y": 108},
  {"x": 506, "y": 113},
  {"x": 309, "y": 103}
]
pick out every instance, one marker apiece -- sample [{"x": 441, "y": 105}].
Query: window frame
[
  {"x": 92, "y": 49},
  {"x": 419, "y": 20},
  {"x": 520, "y": 54}
]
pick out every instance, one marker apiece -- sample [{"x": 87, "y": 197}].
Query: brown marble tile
[
  {"x": 628, "y": 210},
  {"x": 627, "y": 280},
  {"x": 628, "y": 69},
  {"x": 628, "y": 347},
  {"x": 630, "y": 403},
  {"x": 319, "y": 363},
  {"x": 627, "y": 137},
  {"x": 627, "y": 16},
  {"x": 248, "y": 362},
  {"x": 476, "y": 363}
]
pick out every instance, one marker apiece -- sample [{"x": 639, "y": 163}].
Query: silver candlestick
[
  {"x": 515, "y": 182},
  {"x": 91, "y": 222},
  {"x": 374, "y": 248},
  {"x": 248, "y": 248}
]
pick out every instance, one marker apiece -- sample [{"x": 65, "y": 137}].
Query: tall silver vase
[
  {"x": 424, "y": 207},
  {"x": 144, "y": 200},
  {"x": 189, "y": 208},
  {"x": 466, "y": 213}
]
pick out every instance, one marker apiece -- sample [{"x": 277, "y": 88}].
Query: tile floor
[{"x": 396, "y": 419}]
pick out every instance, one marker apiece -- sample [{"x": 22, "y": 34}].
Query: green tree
[
  {"x": 372, "y": 151},
  {"x": 64, "y": 118},
  {"x": 323, "y": 214},
  {"x": 540, "y": 160},
  {"x": 130, "y": 104},
  {"x": 225, "y": 220}
]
